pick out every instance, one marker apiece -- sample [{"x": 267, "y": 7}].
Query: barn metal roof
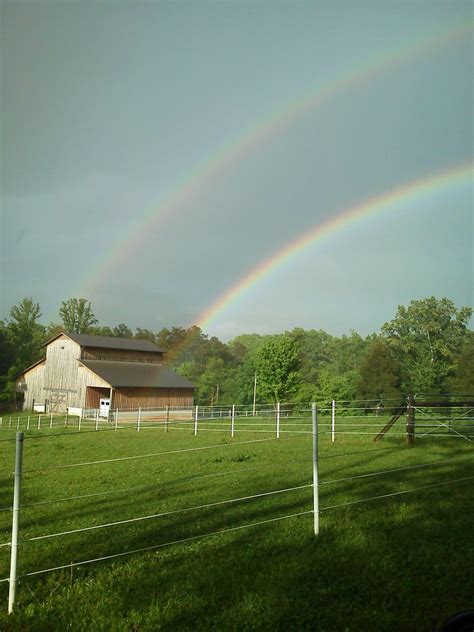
[
  {"x": 143, "y": 374},
  {"x": 111, "y": 342}
]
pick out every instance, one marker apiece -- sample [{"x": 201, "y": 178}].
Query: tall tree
[
  {"x": 25, "y": 334},
  {"x": 380, "y": 376},
  {"x": 77, "y": 315},
  {"x": 278, "y": 361},
  {"x": 426, "y": 338}
]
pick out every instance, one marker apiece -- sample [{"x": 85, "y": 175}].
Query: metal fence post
[
  {"x": 167, "y": 417},
  {"x": 315, "y": 469},
  {"x": 196, "y": 420},
  {"x": 116, "y": 419},
  {"x": 233, "y": 421},
  {"x": 278, "y": 420},
  {"x": 139, "y": 416},
  {"x": 15, "y": 520}
]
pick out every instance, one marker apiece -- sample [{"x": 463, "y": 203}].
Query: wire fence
[
  {"x": 338, "y": 418},
  {"x": 281, "y": 422}
]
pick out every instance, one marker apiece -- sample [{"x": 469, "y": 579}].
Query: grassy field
[{"x": 398, "y": 562}]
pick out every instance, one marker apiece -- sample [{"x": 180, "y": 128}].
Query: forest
[{"x": 428, "y": 347}]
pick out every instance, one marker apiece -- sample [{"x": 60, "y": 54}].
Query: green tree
[
  {"x": 145, "y": 334},
  {"x": 7, "y": 359},
  {"x": 278, "y": 362},
  {"x": 462, "y": 381},
  {"x": 426, "y": 337},
  {"x": 380, "y": 376},
  {"x": 25, "y": 334},
  {"x": 211, "y": 382},
  {"x": 77, "y": 315},
  {"x": 122, "y": 331}
]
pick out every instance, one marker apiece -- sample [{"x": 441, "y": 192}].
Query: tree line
[{"x": 426, "y": 348}]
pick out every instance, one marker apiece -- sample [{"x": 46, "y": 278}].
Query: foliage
[
  {"x": 278, "y": 362},
  {"x": 77, "y": 315},
  {"x": 122, "y": 331},
  {"x": 425, "y": 338},
  {"x": 170, "y": 339},
  {"x": 145, "y": 334},
  {"x": 462, "y": 381},
  {"x": 25, "y": 334},
  {"x": 380, "y": 376}
]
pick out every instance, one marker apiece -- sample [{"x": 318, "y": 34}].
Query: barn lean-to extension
[{"x": 79, "y": 370}]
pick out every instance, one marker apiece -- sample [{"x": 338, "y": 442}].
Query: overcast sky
[{"x": 186, "y": 115}]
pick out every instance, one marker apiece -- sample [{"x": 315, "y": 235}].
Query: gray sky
[{"x": 108, "y": 108}]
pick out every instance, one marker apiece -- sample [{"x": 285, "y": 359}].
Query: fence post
[
  {"x": 18, "y": 423},
  {"x": 116, "y": 419},
  {"x": 410, "y": 421},
  {"x": 97, "y": 419},
  {"x": 278, "y": 420},
  {"x": 167, "y": 417},
  {"x": 139, "y": 416},
  {"x": 315, "y": 469},
  {"x": 333, "y": 421},
  {"x": 39, "y": 422},
  {"x": 15, "y": 520},
  {"x": 66, "y": 418},
  {"x": 196, "y": 420},
  {"x": 51, "y": 420},
  {"x": 233, "y": 421},
  {"x": 10, "y": 422},
  {"x": 80, "y": 420},
  {"x": 28, "y": 423}
]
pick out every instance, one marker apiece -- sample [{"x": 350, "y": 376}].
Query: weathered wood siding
[
  {"x": 61, "y": 370},
  {"x": 124, "y": 398},
  {"x": 121, "y": 355},
  {"x": 31, "y": 385},
  {"x": 86, "y": 378}
]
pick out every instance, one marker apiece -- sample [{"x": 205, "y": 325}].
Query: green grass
[{"x": 401, "y": 562}]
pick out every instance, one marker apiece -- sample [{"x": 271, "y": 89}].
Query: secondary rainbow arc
[{"x": 204, "y": 171}]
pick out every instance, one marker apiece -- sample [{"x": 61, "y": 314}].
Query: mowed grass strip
[{"x": 397, "y": 562}]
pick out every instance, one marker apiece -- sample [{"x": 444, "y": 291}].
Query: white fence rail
[{"x": 336, "y": 417}]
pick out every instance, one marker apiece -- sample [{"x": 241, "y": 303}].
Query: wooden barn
[{"x": 79, "y": 370}]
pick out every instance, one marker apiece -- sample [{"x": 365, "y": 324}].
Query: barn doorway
[
  {"x": 94, "y": 394},
  {"x": 58, "y": 402}
]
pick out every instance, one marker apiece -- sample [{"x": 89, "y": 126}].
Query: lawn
[{"x": 400, "y": 562}]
